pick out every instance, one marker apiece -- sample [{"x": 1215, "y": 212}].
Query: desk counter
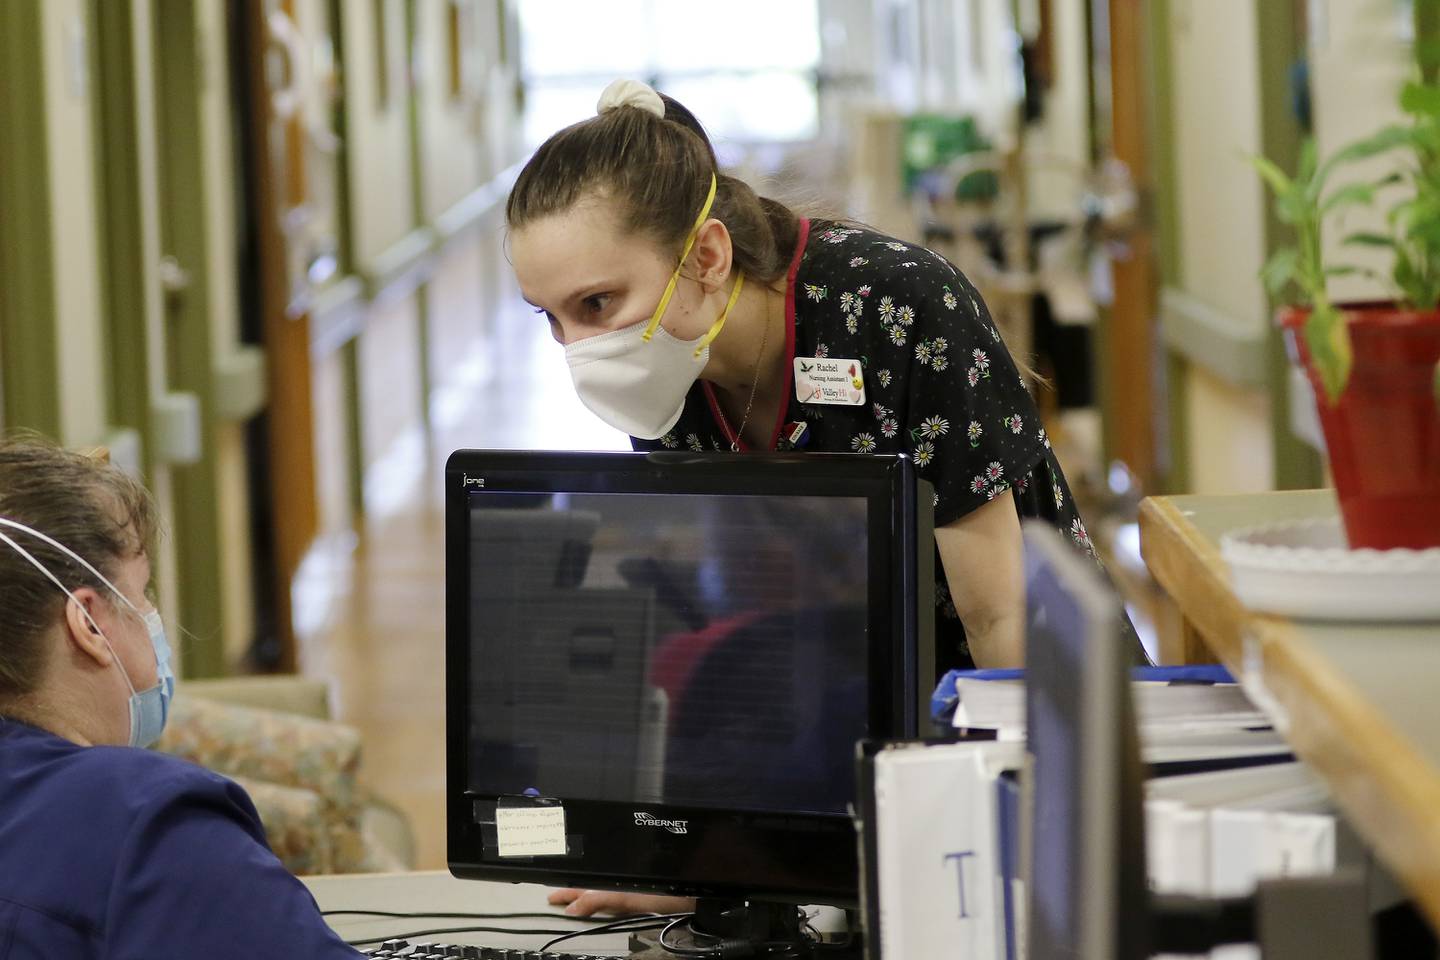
[
  {"x": 439, "y": 892},
  {"x": 1360, "y": 702}
]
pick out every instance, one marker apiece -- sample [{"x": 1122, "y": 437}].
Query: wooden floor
[{"x": 380, "y": 638}]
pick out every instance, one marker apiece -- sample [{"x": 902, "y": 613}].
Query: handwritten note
[{"x": 531, "y": 831}]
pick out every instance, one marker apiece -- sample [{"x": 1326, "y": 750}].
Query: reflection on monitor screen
[{"x": 686, "y": 649}]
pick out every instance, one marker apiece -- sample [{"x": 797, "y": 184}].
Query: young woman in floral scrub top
[{"x": 688, "y": 306}]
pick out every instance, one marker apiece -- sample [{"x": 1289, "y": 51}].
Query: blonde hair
[{"x": 93, "y": 508}]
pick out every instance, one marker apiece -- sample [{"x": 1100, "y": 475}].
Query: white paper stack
[
  {"x": 1219, "y": 833},
  {"x": 1166, "y": 710}
]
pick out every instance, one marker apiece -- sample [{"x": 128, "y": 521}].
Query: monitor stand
[{"x": 765, "y": 926}]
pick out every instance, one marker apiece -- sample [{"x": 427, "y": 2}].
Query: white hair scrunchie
[{"x": 631, "y": 93}]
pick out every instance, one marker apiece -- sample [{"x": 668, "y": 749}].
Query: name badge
[{"x": 833, "y": 381}]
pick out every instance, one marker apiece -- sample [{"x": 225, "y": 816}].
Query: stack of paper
[
  {"x": 943, "y": 826},
  {"x": 1165, "y": 709},
  {"x": 1219, "y": 833}
]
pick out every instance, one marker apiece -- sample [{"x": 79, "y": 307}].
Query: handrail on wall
[{"x": 339, "y": 310}]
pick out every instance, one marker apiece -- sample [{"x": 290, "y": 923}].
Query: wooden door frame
[
  {"x": 289, "y": 415},
  {"x": 1128, "y": 344}
]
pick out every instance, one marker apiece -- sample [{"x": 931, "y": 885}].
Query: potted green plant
[{"x": 1374, "y": 366}]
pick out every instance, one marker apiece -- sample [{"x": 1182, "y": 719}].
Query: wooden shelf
[{"x": 1359, "y": 702}]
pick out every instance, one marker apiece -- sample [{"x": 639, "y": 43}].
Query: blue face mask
[{"x": 149, "y": 709}]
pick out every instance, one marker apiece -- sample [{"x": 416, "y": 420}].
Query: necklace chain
[{"x": 754, "y": 385}]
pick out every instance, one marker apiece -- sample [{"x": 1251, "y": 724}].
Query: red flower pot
[{"x": 1383, "y": 436}]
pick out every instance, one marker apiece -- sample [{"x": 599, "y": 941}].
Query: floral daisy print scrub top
[{"x": 939, "y": 386}]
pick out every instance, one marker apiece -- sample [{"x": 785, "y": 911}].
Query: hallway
[{"x": 374, "y": 609}]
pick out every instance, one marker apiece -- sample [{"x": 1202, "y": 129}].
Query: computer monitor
[
  {"x": 1086, "y": 883},
  {"x": 658, "y": 664}
]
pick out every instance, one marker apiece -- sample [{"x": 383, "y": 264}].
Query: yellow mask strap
[
  {"x": 675, "y": 277},
  {"x": 714, "y": 331}
]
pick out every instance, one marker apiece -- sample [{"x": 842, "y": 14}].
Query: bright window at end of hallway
[{"x": 746, "y": 83}]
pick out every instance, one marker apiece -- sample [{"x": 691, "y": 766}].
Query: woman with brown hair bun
[
  {"x": 107, "y": 850},
  {"x": 696, "y": 314}
]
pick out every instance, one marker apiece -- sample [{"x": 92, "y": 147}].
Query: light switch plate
[
  {"x": 240, "y": 383},
  {"x": 179, "y": 437}
]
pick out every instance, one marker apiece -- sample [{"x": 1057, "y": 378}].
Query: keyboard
[{"x": 446, "y": 951}]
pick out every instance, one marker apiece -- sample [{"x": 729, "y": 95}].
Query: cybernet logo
[
  {"x": 649, "y": 820},
  {"x": 468, "y": 481}
]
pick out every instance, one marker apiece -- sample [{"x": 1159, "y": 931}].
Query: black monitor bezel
[{"x": 818, "y": 850}]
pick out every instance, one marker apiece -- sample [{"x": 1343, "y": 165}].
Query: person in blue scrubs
[{"x": 108, "y": 850}]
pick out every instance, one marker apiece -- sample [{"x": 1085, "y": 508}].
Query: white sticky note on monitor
[{"x": 530, "y": 831}]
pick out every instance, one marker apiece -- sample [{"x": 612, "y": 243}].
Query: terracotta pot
[{"x": 1383, "y": 435}]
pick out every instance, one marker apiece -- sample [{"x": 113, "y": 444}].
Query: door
[
  {"x": 1129, "y": 357},
  {"x": 273, "y": 59}
]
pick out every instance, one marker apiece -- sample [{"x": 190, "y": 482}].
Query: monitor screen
[
  {"x": 700, "y": 650},
  {"x": 676, "y": 655}
]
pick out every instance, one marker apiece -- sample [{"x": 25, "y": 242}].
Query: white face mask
[
  {"x": 636, "y": 378},
  {"x": 634, "y": 385}
]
